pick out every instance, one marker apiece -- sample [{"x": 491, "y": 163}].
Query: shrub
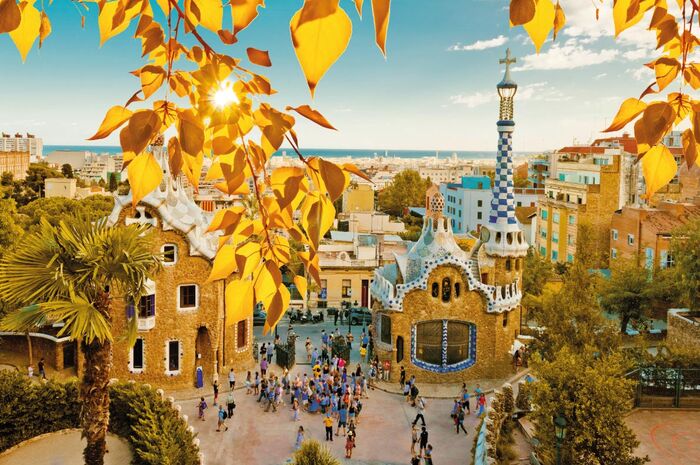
[
  {"x": 523, "y": 399},
  {"x": 312, "y": 452}
]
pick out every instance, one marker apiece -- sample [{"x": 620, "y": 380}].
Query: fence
[{"x": 661, "y": 387}]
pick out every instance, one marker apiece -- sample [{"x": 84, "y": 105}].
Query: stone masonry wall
[{"x": 682, "y": 332}]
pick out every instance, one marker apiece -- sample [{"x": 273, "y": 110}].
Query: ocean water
[{"x": 330, "y": 153}]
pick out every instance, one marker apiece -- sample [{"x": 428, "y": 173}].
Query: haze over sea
[{"x": 330, "y": 153}]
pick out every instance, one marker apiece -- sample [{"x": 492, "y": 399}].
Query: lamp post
[{"x": 560, "y": 433}]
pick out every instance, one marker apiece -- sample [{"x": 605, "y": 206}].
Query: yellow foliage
[
  {"x": 659, "y": 168},
  {"x": 28, "y": 30},
  {"x": 144, "y": 175},
  {"x": 541, "y": 23},
  {"x": 239, "y": 301}
]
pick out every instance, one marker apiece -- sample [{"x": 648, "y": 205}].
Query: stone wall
[
  {"x": 683, "y": 332},
  {"x": 493, "y": 338}
]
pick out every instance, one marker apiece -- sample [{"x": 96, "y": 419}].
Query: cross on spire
[{"x": 508, "y": 60}]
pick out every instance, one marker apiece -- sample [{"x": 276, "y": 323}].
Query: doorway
[
  {"x": 365, "y": 293},
  {"x": 204, "y": 355}
]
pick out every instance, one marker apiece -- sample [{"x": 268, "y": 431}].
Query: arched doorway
[{"x": 204, "y": 355}]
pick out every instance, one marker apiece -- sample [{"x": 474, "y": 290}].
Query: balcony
[{"x": 146, "y": 323}]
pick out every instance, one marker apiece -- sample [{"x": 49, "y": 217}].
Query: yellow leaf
[
  {"x": 691, "y": 74},
  {"x": 175, "y": 159},
  {"x": 145, "y": 175},
  {"x": 10, "y": 16},
  {"x": 659, "y": 167},
  {"x": 559, "y": 19},
  {"x": 319, "y": 41},
  {"x": 247, "y": 258},
  {"x": 656, "y": 121},
  {"x": 44, "y": 29},
  {"x": 224, "y": 263},
  {"x": 191, "y": 132},
  {"x": 211, "y": 14},
  {"x": 681, "y": 105},
  {"x": 380, "y": 12},
  {"x": 115, "y": 117},
  {"x": 352, "y": 169},
  {"x": 258, "y": 57},
  {"x": 358, "y": 7},
  {"x": 226, "y": 218},
  {"x": 28, "y": 30},
  {"x": 105, "y": 20},
  {"x": 334, "y": 178},
  {"x": 628, "y": 111},
  {"x": 276, "y": 308},
  {"x": 690, "y": 148},
  {"x": 666, "y": 70},
  {"x": 301, "y": 284},
  {"x": 521, "y": 11},
  {"x": 239, "y": 301},
  {"x": 539, "y": 26},
  {"x": 142, "y": 128},
  {"x": 620, "y": 13},
  {"x": 244, "y": 12},
  {"x": 309, "y": 113},
  {"x": 152, "y": 78}
]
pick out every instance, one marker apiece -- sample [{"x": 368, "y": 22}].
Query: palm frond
[
  {"x": 81, "y": 319},
  {"x": 25, "y": 319}
]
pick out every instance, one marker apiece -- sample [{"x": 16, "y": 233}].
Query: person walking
[
  {"x": 420, "y": 410},
  {"x": 423, "y": 441},
  {"x": 328, "y": 423},
  {"x": 263, "y": 367},
  {"x": 42, "y": 368},
  {"x": 342, "y": 419},
  {"x": 201, "y": 407},
  {"x": 349, "y": 445},
  {"x": 295, "y": 409},
  {"x": 465, "y": 398},
  {"x": 222, "y": 419},
  {"x": 414, "y": 439},
  {"x": 459, "y": 420},
  {"x": 248, "y": 384},
  {"x": 231, "y": 380},
  {"x": 271, "y": 351},
  {"x": 482, "y": 404},
  {"x": 216, "y": 391},
  {"x": 230, "y": 404},
  {"x": 428, "y": 457},
  {"x": 300, "y": 438},
  {"x": 256, "y": 385},
  {"x": 402, "y": 376}
]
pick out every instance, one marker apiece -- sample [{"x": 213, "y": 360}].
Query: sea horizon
[{"x": 330, "y": 153}]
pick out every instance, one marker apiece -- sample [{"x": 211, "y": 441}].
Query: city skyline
[{"x": 425, "y": 96}]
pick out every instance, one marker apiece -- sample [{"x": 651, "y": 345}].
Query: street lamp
[{"x": 560, "y": 433}]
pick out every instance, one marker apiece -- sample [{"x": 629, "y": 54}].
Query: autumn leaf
[
  {"x": 115, "y": 117},
  {"x": 666, "y": 70},
  {"x": 211, "y": 14},
  {"x": 690, "y": 148},
  {"x": 352, "y": 169},
  {"x": 106, "y": 19},
  {"x": 244, "y": 12},
  {"x": 301, "y": 284},
  {"x": 559, "y": 19},
  {"x": 44, "y": 29},
  {"x": 333, "y": 177},
  {"x": 309, "y": 113},
  {"x": 681, "y": 105},
  {"x": 659, "y": 167},
  {"x": 656, "y": 121},
  {"x": 10, "y": 16},
  {"x": 224, "y": 263},
  {"x": 319, "y": 41},
  {"x": 142, "y": 128},
  {"x": 276, "y": 308},
  {"x": 152, "y": 78},
  {"x": 190, "y": 132},
  {"x": 629, "y": 110},
  {"x": 380, "y": 13},
  {"x": 145, "y": 175},
  {"x": 542, "y": 22},
  {"x": 239, "y": 301},
  {"x": 258, "y": 57},
  {"x": 175, "y": 160},
  {"x": 521, "y": 11},
  {"x": 28, "y": 30},
  {"x": 691, "y": 75},
  {"x": 358, "y": 7},
  {"x": 620, "y": 13}
]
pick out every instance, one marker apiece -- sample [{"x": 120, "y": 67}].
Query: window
[
  {"x": 385, "y": 328},
  {"x": 137, "y": 356},
  {"x": 569, "y": 239},
  {"x": 347, "y": 288},
  {"x": 543, "y": 214},
  {"x": 613, "y": 252},
  {"x": 543, "y": 233},
  {"x": 435, "y": 290},
  {"x": 479, "y": 203},
  {"x": 458, "y": 289},
  {"x": 555, "y": 237},
  {"x": 323, "y": 293},
  {"x": 399, "y": 349},
  {"x": 187, "y": 297},
  {"x": 555, "y": 217},
  {"x": 173, "y": 357},
  {"x": 446, "y": 289},
  {"x": 147, "y": 306},
  {"x": 630, "y": 239},
  {"x": 241, "y": 334},
  {"x": 570, "y": 258},
  {"x": 649, "y": 258},
  {"x": 572, "y": 219},
  {"x": 543, "y": 251},
  {"x": 505, "y": 319},
  {"x": 555, "y": 255},
  {"x": 507, "y": 264},
  {"x": 614, "y": 234},
  {"x": 667, "y": 260},
  {"x": 479, "y": 215},
  {"x": 169, "y": 254},
  {"x": 444, "y": 345},
  {"x": 519, "y": 204}
]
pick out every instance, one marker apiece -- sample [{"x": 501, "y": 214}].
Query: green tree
[
  {"x": 10, "y": 230},
  {"x": 70, "y": 273},
  {"x": 627, "y": 293},
  {"x": 56, "y": 209},
  {"x": 6, "y": 179},
  {"x": 407, "y": 189},
  {"x": 685, "y": 249},
  {"x": 113, "y": 184},
  {"x": 537, "y": 271},
  {"x": 67, "y": 170},
  {"x": 313, "y": 452},
  {"x": 37, "y": 174},
  {"x": 590, "y": 391}
]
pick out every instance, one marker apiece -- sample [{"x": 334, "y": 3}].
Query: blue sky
[{"x": 435, "y": 90}]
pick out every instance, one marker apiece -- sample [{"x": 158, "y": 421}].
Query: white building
[
  {"x": 96, "y": 167},
  {"x": 18, "y": 143},
  {"x": 75, "y": 158}
]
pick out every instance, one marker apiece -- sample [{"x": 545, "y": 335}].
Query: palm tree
[{"x": 68, "y": 273}]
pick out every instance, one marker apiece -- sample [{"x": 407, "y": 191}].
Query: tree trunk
[
  {"x": 29, "y": 347},
  {"x": 624, "y": 321},
  {"x": 94, "y": 395}
]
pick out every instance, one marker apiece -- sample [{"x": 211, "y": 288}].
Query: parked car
[
  {"x": 259, "y": 317},
  {"x": 360, "y": 315}
]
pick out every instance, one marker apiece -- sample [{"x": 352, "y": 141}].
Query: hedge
[{"x": 156, "y": 433}]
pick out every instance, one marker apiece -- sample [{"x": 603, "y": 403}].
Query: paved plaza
[{"x": 668, "y": 437}]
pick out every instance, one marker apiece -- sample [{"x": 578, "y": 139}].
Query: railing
[{"x": 661, "y": 387}]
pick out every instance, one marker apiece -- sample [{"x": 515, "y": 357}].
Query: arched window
[
  {"x": 457, "y": 342},
  {"x": 443, "y": 345},
  {"x": 385, "y": 328},
  {"x": 446, "y": 289},
  {"x": 429, "y": 342},
  {"x": 507, "y": 264},
  {"x": 435, "y": 290},
  {"x": 399, "y": 349},
  {"x": 458, "y": 289}
]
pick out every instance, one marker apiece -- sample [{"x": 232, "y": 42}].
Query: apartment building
[
  {"x": 14, "y": 162},
  {"x": 19, "y": 143}
]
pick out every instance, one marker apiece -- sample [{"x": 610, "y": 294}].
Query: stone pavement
[
  {"x": 383, "y": 435},
  {"x": 668, "y": 437}
]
